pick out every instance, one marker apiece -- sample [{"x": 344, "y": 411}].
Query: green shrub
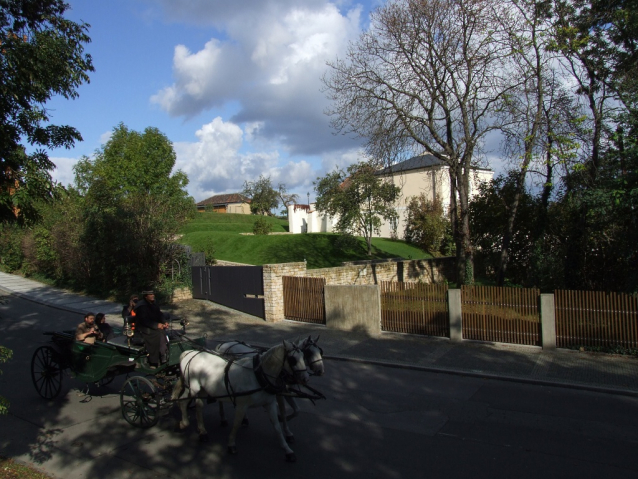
[
  {"x": 209, "y": 252},
  {"x": 11, "y": 255},
  {"x": 262, "y": 227},
  {"x": 5, "y": 355},
  {"x": 427, "y": 227}
]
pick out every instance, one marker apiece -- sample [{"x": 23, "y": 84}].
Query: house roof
[
  {"x": 414, "y": 163},
  {"x": 224, "y": 199}
]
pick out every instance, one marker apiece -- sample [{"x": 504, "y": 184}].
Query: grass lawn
[
  {"x": 10, "y": 469},
  {"x": 318, "y": 249}
]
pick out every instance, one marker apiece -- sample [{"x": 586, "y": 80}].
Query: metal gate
[
  {"x": 238, "y": 287},
  {"x": 415, "y": 308},
  {"x": 304, "y": 299}
]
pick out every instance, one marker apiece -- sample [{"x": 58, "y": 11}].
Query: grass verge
[{"x": 9, "y": 469}]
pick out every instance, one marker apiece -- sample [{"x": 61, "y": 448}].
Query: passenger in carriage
[
  {"x": 151, "y": 324},
  {"x": 88, "y": 331},
  {"x": 129, "y": 309},
  {"x": 104, "y": 327}
]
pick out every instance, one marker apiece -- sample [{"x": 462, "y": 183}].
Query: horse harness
[{"x": 264, "y": 380}]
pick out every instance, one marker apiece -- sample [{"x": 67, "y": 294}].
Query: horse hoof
[
  {"x": 290, "y": 439},
  {"x": 203, "y": 438},
  {"x": 179, "y": 428},
  {"x": 245, "y": 422},
  {"x": 291, "y": 457},
  {"x": 232, "y": 449},
  {"x": 223, "y": 423}
]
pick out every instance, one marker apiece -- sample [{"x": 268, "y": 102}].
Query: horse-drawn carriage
[
  {"x": 234, "y": 372},
  {"x": 143, "y": 394}
]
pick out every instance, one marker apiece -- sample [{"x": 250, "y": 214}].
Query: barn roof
[{"x": 224, "y": 199}]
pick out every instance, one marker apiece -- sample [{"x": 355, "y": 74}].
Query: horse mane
[{"x": 273, "y": 359}]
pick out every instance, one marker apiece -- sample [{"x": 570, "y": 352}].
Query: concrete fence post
[
  {"x": 548, "y": 322},
  {"x": 456, "y": 317}
]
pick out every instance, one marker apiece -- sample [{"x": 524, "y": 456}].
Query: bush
[
  {"x": 5, "y": 355},
  {"x": 11, "y": 256},
  {"x": 427, "y": 227},
  {"x": 209, "y": 252},
  {"x": 262, "y": 227}
]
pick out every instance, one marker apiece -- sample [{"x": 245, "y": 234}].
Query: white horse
[
  {"x": 313, "y": 357},
  {"x": 247, "y": 382}
]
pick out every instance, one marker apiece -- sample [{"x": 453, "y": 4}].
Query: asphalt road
[{"x": 377, "y": 422}]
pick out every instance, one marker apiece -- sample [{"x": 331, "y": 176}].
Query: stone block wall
[
  {"x": 355, "y": 273},
  {"x": 181, "y": 294},
  {"x": 274, "y": 288}
]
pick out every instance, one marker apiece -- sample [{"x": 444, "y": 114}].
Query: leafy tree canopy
[
  {"x": 41, "y": 55},
  {"x": 263, "y": 196},
  {"x": 359, "y": 199},
  {"x": 134, "y": 206}
]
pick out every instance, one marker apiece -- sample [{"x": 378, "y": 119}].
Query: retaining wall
[{"x": 354, "y": 273}]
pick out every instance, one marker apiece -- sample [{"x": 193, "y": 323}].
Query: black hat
[{"x": 147, "y": 292}]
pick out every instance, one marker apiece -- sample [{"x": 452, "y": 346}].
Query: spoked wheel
[
  {"x": 46, "y": 372},
  {"x": 139, "y": 402}
]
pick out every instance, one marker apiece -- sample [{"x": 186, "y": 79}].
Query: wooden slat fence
[
  {"x": 596, "y": 318},
  {"x": 304, "y": 299},
  {"x": 505, "y": 315},
  {"x": 414, "y": 308}
]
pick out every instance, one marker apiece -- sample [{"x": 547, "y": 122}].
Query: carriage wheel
[
  {"x": 139, "y": 402},
  {"x": 46, "y": 372}
]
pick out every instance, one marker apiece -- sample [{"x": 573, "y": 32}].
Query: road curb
[
  {"x": 40, "y": 302},
  {"x": 484, "y": 375}
]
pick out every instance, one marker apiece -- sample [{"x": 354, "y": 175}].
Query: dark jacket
[{"x": 148, "y": 316}]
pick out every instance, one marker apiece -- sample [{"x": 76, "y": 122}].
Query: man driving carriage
[{"x": 151, "y": 324}]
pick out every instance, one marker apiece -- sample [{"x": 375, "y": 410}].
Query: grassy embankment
[{"x": 317, "y": 248}]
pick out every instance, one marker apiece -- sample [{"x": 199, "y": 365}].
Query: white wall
[
  {"x": 302, "y": 221},
  {"x": 430, "y": 181}
]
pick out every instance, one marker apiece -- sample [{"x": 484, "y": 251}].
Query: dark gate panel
[
  {"x": 200, "y": 282},
  {"x": 238, "y": 287},
  {"x": 304, "y": 299}
]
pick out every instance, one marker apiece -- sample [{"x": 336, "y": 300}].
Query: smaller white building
[{"x": 306, "y": 219}]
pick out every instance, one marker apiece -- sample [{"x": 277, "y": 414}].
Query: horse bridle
[
  {"x": 306, "y": 353},
  {"x": 292, "y": 362}
]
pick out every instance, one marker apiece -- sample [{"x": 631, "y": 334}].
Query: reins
[{"x": 264, "y": 380}]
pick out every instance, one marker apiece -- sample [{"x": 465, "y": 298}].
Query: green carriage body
[
  {"x": 102, "y": 361},
  {"x": 91, "y": 363}
]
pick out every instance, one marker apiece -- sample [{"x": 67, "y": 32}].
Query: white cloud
[
  {"x": 214, "y": 163},
  {"x": 269, "y": 62},
  {"x": 63, "y": 172},
  {"x": 105, "y": 137}
]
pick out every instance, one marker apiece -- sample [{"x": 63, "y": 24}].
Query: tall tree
[
  {"x": 526, "y": 25},
  {"x": 425, "y": 77},
  {"x": 359, "y": 200},
  {"x": 286, "y": 198},
  {"x": 41, "y": 55},
  {"x": 134, "y": 206},
  {"x": 263, "y": 197}
]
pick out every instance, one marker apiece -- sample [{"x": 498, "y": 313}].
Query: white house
[
  {"x": 423, "y": 174},
  {"x": 305, "y": 219}
]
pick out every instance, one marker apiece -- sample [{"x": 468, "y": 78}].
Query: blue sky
[{"x": 234, "y": 85}]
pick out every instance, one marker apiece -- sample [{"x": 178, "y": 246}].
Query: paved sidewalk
[{"x": 591, "y": 371}]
